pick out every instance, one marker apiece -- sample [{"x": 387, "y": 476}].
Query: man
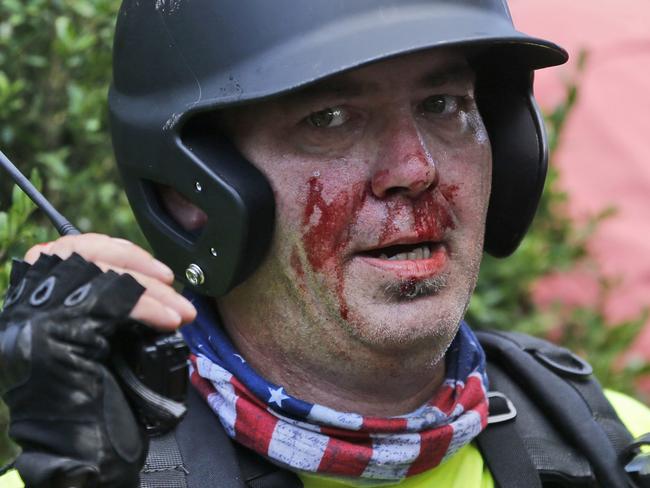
[{"x": 325, "y": 187}]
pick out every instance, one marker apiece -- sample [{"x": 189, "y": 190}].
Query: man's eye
[
  {"x": 330, "y": 117},
  {"x": 440, "y": 104}
]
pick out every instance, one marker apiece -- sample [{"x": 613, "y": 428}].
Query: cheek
[
  {"x": 466, "y": 179},
  {"x": 468, "y": 186},
  {"x": 481, "y": 154},
  {"x": 316, "y": 210},
  {"x": 479, "y": 173},
  {"x": 324, "y": 228},
  {"x": 327, "y": 222}
]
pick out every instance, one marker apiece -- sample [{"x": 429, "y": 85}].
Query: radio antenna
[{"x": 63, "y": 226}]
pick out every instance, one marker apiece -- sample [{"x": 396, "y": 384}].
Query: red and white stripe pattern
[{"x": 347, "y": 444}]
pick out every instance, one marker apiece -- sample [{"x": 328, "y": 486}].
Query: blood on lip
[
  {"x": 389, "y": 225},
  {"x": 431, "y": 219}
]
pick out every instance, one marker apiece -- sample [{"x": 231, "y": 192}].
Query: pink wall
[{"x": 605, "y": 155}]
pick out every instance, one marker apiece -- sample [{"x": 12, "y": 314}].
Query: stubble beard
[{"x": 410, "y": 289}]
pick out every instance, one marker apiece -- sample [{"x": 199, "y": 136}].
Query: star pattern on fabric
[
  {"x": 386, "y": 448},
  {"x": 277, "y": 396}
]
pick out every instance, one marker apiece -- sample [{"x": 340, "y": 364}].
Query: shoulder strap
[
  {"x": 570, "y": 430},
  {"x": 164, "y": 466},
  {"x": 512, "y": 466},
  {"x": 199, "y": 454},
  {"x": 196, "y": 454}
]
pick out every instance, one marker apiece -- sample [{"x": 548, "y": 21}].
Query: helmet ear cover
[
  {"x": 519, "y": 153},
  {"x": 206, "y": 169}
]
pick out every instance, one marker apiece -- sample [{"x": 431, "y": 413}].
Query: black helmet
[{"x": 177, "y": 61}]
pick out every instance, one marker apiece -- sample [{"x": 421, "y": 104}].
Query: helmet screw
[
  {"x": 194, "y": 275},
  {"x": 213, "y": 251},
  {"x": 197, "y": 186}
]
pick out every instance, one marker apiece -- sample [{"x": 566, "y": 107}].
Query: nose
[{"x": 404, "y": 164}]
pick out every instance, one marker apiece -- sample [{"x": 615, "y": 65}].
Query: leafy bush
[{"x": 54, "y": 73}]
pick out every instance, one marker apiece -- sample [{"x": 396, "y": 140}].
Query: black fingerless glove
[{"x": 68, "y": 414}]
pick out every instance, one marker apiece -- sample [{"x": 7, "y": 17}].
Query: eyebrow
[
  {"x": 335, "y": 88},
  {"x": 343, "y": 87},
  {"x": 449, "y": 73}
]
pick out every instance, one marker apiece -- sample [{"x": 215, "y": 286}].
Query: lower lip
[{"x": 412, "y": 268}]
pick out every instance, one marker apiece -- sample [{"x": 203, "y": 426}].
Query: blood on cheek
[
  {"x": 450, "y": 192},
  {"x": 326, "y": 239}
]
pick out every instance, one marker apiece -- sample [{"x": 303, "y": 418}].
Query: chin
[{"x": 407, "y": 323}]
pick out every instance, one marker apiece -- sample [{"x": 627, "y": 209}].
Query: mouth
[
  {"x": 419, "y": 260},
  {"x": 403, "y": 252}
]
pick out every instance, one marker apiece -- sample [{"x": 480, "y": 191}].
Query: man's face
[{"x": 381, "y": 178}]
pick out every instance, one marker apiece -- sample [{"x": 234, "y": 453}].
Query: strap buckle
[
  {"x": 501, "y": 408},
  {"x": 564, "y": 362},
  {"x": 638, "y": 462}
]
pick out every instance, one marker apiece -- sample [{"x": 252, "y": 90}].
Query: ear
[{"x": 181, "y": 210}]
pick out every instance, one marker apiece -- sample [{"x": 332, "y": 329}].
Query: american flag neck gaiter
[{"x": 303, "y": 436}]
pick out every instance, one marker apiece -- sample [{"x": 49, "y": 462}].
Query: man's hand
[
  {"x": 160, "y": 306},
  {"x": 67, "y": 412}
]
